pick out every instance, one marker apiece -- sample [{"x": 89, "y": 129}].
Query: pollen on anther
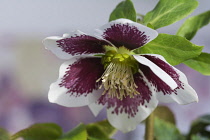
[{"x": 118, "y": 81}]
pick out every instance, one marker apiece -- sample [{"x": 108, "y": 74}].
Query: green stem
[{"x": 149, "y": 129}]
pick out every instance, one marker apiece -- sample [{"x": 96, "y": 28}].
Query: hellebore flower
[{"x": 103, "y": 71}]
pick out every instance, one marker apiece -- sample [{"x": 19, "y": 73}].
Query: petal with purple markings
[
  {"x": 152, "y": 71},
  {"x": 76, "y": 43},
  {"x": 183, "y": 94},
  {"x": 76, "y": 85},
  {"x": 124, "y": 32}
]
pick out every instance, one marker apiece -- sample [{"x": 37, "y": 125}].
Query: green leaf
[
  {"x": 95, "y": 131},
  {"x": 193, "y": 24},
  {"x": 125, "y": 9},
  {"x": 197, "y": 137},
  {"x": 78, "y": 133},
  {"x": 199, "y": 127},
  {"x": 166, "y": 131},
  {"x": 92, "y": 138},
  {"x": 200, "y": 63},
  {"x": 150, "y": 26},
  {"x": 4, "y": 135},
  {"x": 164, "y": 113},
  {"x": 175, "y": 49},
  {"x": 100, "y": 130},
  {"x": 42, "y": 131},
  {"x": 167, "y": 12}
]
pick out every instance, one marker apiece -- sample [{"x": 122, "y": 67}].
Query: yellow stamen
[{"x": 118, "y": 81}]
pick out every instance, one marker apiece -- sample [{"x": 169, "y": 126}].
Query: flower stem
[{"x": 149, "y": 129}]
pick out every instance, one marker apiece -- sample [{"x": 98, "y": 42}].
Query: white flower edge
[
  {"x": 156, "y": 70},
  {"x": 184, "y": 96},
  {"x": 95, "y": 108},
  {"x": 147, "y": 31},
  {"x": 51, "y": 44},
  {"x": 60, "y": 96},
  {"x": 125, "y": 124}
]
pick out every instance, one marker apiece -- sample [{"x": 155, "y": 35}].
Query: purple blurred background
[{"x": 27, "y": 69}]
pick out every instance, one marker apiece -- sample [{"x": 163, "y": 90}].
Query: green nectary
[{"x": 119, "y": 55}]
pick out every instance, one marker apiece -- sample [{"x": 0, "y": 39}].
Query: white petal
[
  {"x": 148, "y": 31},
  {"x": 51, "y": 44},
  {"x": 58, "y": 94},
  {"x": 125, "y": 124},
  {"x": 157, "y": 71},
  {"x": 184, "y": 96},
  {"x": 95, "y": 108}
]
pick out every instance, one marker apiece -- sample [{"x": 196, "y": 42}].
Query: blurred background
[{"x": 27, "y": 69}]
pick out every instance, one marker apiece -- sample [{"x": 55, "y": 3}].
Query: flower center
[{"x": 117, "y": 79}]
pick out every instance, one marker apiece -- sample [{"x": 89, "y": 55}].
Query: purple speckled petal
[
  {"x": 125, "y": 124},
  {"x": 124, "y": 32},
  {"x": 81, "y": 76},
  {"x": 76, "y": 85},
  {"x": 183, "y": 94},
  {"x": 161, "y": 74},
  {"x": 129, "y": 105},
  {"x": 143, "y": 88},
  {"x": 126, "y": 114},
  {"x": 156, "y": 81},
  {"x": 75, "y": 43},
  {"x": 161, "y": 86}
]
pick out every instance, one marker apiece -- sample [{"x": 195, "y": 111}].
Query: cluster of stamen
[{"x": 117, "y": 79}]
